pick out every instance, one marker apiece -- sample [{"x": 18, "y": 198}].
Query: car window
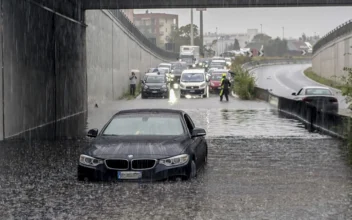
[
  {"x": 216, "y": 77},
  {"x": 155, "y": 79},
  {"x": 318, "y": 91},
  {"x": 192, "y": 77},
  {"x": 143, "y": 124}
]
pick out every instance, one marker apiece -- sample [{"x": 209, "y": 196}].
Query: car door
[{"x": 197, "y": 144}]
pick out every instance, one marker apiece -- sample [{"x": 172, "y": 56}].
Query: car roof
[
  {"x": 220, "y": 70},
  {"x": 194, "y": 71},
  {"x": 154, "y": 74},
  {"x": 316, "y": 87},
  {"x": 151, "y": 110}
]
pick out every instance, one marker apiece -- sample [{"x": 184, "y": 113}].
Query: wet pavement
[{"x": 260, "y": 166}]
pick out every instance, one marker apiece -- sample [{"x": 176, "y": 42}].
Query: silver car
[{"x": 320, "y": 97}]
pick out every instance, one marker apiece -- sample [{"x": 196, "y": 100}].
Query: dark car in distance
[
  {"x": 155, "y": 85},
  {"x": 144, "y": 145}
]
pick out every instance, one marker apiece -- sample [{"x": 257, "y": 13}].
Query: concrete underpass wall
[
  {"x": 330, "y": 60},
  {"x": 44, "y": 74},
  {"x": 112, "y": 52}
]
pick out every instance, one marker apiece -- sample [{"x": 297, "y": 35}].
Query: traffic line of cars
[{"x": 198, "y": 81}]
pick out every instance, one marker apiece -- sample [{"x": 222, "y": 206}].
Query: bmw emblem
[{"x": 130, "y": 156}]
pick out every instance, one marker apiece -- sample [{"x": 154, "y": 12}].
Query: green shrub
[{"x": 244, "y": 83}]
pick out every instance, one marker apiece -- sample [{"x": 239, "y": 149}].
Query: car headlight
[
  {"x": 212, "y": 84},
  {"x": 163, "y": 87},
  {"x": 182, "y": 85},
  {"x": 145, "y": 87},
  {"x": 202, "y": 85},
  {"x": 89, "y": 161},
  {"x": 175, "y": 161}
]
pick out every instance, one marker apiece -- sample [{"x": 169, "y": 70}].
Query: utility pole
[
  {"x": 283, "y": 33},
  {"x": 192, "y": 35},
  {"x": 261, "y": 28},
  {"x": 201, "y": 32}
]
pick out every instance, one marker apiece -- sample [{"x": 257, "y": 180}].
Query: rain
[{"x": 66, "y": 68}]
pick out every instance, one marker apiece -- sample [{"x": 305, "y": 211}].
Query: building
[
  {"x": 129, "y": 13},
  {"x": 156, "y": 26}
]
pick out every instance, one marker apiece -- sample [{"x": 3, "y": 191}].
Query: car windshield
[
  {"x": 192, "y": 77},
  {"x": 145, "y": 124},
  {"x": 216, "y": 77},
  {"x": 318, "y": 91},
  {"x": 155, "y": 79}
]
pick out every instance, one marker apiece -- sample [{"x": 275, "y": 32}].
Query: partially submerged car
[
  {"x": 320, "y": 97},
  {"x": 144, "y": 145}
]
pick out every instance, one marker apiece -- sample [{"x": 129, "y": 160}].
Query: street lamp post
[
  {"x": 283, "y": 33},
  {"x": 261, "y": 28},
  {"x": 192, "y": 42}
]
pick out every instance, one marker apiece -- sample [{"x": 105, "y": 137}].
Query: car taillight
[
  {"x": 334, "y": 100},
  {"x": 307, "y": 100}
]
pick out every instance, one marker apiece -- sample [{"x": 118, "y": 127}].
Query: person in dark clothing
[
  {"x": 133, "y": 81},
  {"x": 225, "y": 87}
]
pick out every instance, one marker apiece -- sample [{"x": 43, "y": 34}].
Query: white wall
[
  {"x": 330, "y": 60},
  {"x": 112, "y": 52}
]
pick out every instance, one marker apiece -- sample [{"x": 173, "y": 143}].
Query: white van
[
  {"x": 165, "y": 65},
  {"x": 193, "y": 82}
]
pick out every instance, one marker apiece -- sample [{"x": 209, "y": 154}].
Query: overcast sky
[{"x": 294, "y": 20}]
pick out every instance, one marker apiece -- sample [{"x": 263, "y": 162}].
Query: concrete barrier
[
  {"x": 328, "y": 123},
  {"x": 112, "y": 52},
  {"x": 333, "y": 52}
]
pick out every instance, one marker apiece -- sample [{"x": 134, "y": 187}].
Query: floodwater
[{"x": 260, "y": 166}]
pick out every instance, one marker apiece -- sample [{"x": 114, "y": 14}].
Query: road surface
[
  {"x": 283, "y": 80},
  {"x": 261, "y": 165}
]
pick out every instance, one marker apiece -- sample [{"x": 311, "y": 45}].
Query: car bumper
[
  {"x": 155, "y": 93},
  {"x": 214, "y": 88},
  {"x": 193, "y": 91},
  {"x": 158, "y": 173}
]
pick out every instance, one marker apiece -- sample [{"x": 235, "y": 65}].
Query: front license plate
[
  {"x": 154, "y": 91},
  {"x": 219, "y": 87},
  {"x": 191, "y": 91},
  {"x": 129, "y": 175}
]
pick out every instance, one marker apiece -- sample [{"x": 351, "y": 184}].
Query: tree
[
  {"x": 262, "y": 38},
  {"x": 182, "y": 36},
  {"x": 236, "y": 45}
]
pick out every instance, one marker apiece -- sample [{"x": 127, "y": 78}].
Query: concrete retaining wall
[
  {"x": 112, "y": 52},
  {"x": 43, "y": 80},
  {"x": 330, "y": 60}
]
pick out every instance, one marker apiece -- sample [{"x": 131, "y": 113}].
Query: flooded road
[{"x": 260, "y": 166}]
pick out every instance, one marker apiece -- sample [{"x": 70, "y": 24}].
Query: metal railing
[
  {"x": 339, "y": 31},
  {"x": 123, "y": 20}
]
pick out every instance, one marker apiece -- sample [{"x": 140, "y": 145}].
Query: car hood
[
  {"x": 215, "y": 83},
  {"x": 139, "y": 147},
  {"x": 155, "y": 84},
  {"x": 192, "y": 83}
]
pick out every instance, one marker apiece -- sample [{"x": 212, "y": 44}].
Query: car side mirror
[
  {"x": 93, "y": 133},
  {"x": 198, "y": 132},
  {"x": 294, "y": 93}
]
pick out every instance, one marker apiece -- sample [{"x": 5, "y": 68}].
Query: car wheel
[
  {"x": 182, "y": 96},
  {"x": 206, "y": 157},
  {"x": 144, "y": 97}
]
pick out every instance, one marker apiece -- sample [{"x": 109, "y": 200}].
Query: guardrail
[
  {"x": 255, "y": 64},
  {"x": 122, "y": 18},
  {"x": 314, "y": 119},
  {"x": 339, "y": 31}
]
